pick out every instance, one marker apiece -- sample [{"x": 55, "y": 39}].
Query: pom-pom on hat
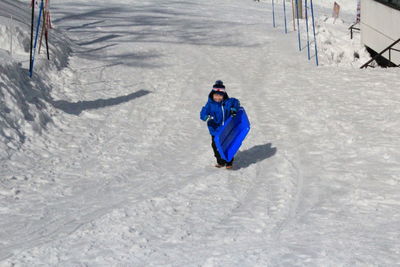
[{"x": 219, "y": 87}]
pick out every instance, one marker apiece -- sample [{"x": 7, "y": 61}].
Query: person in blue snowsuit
[{"x": 218, "y": 109}]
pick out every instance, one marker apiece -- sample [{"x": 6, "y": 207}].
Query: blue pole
[
  {"x": 36, "y": 38},
  {"x": 31, "y": 44},
  {"x": 273, "y": 13},
  {"x": 284, "y": 12},
  {"x": 315, "y": 39},
  {"x": 298, "y": 23},
  {"x": 308, "y": 38}
]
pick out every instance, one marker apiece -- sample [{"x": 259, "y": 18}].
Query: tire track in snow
[{"x": 259, "y": 78}]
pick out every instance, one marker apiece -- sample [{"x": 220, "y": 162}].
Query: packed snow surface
[{"x": 115, "y": 168}]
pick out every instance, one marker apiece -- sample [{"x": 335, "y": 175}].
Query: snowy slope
[
  {"x": 125, "y": 176},
  {"x": 25, "y": 104}
]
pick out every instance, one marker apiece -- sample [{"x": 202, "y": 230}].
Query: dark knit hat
[{"x": 219, "y": 87}]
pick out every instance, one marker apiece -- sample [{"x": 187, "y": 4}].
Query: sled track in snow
[{"x": 293, "y": 208}]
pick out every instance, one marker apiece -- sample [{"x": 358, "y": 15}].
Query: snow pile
[
  {"x": 20, "y": 40},
  {"x": 333, "y": 35},
  {"x": 23, "y": 109},
  {"x": 24, "y": 102},
  {"x": 336, "y": 47}
]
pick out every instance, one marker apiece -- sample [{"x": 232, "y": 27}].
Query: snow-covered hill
[
  {"x": 116, "y": 169},
  {"x": 25, "y": 109}
]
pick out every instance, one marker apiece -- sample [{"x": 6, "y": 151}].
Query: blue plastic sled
[{"x": 230, "y": 136}]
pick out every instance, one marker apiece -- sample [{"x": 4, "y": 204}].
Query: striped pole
[{"x": 43, "y": 29}]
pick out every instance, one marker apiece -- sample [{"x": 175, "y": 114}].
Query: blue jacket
[{"x": 220, "y": 112}]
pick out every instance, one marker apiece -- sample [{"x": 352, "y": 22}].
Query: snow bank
[
  {"x": 24, "y": 102},
  {"x": 333, "y": 36},
  {"x": 335, "y": 46},
  {"x": 20, "y": 41},
  {"x": 23, "y": 106}
]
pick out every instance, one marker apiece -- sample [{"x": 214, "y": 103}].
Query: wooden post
[{"x": 300, "y": 5}]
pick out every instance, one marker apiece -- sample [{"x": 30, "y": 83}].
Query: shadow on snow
[
  {"x": 244, "y": 159},
  {"x": 78, "y": 107},
  {"x": 171, "y": 22}
]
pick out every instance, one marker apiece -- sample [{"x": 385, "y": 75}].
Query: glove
[
  {"x": 233, "y": 112},
  {"x": 207, "y": 118}
]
